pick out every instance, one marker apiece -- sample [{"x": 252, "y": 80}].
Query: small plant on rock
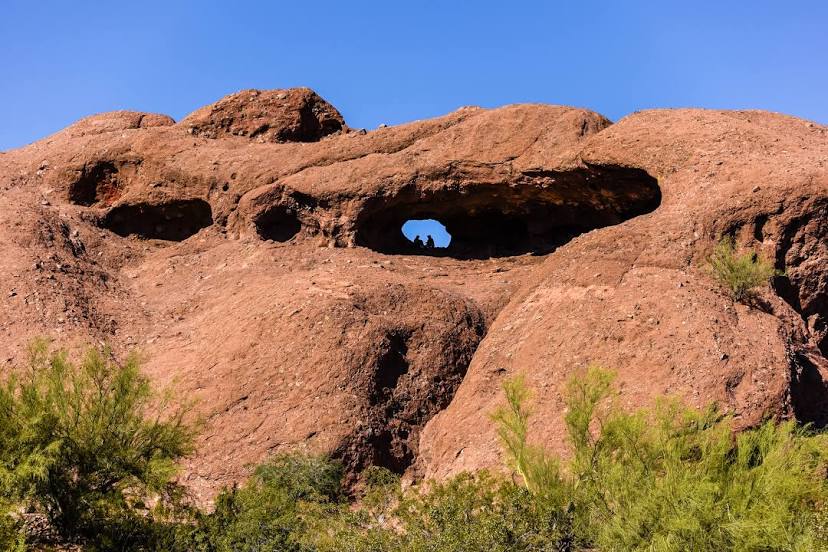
[{"x": 741, "y": 273}]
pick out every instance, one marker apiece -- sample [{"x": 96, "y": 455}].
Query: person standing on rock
[{"x": 429, "y": 242}]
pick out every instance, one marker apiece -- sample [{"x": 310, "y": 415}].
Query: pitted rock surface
[{"x": 294, "y": 115}]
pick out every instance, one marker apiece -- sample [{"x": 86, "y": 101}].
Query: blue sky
[
  {"x": 424, "y": 228},
  {"x": 390, "y": 62}
]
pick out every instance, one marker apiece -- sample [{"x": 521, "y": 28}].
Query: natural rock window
[
  {"x": 536, "y": 213},
  {"x": 426, "y": 236}
]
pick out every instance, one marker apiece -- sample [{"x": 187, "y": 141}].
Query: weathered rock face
[
  {"x": 262, "y": 271},
  {"x": 636, "y": 297},
  {"x": 294, "y": 115}
]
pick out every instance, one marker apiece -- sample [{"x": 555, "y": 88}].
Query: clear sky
[
  {"x": 425, "y": 228},
  {"x": 394, "y": 61}
]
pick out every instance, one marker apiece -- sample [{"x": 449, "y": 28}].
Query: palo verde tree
[
  {"x": 89, "y": 445},
  {"x": 672, "y": 478}
]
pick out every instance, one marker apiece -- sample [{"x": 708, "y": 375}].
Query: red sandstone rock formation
[{"x": 253, "y": 253}]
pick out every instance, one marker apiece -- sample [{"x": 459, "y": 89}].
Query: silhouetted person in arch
[
  {"x": 418, "y": 243},
  {"x": 430, "y": 242}
]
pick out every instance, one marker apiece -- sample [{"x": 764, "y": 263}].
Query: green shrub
[
  {"x": 539, "y": 471},
  {"x": 87, "y": 445},
  {"x": 672, "y": 478},
  {"x": 469, "y": 512},
  {"x": 740, "y": 274},
  {"x": 668, "y": 478},
  {"x": 479, "y": 512},
  {"x": 285, "y": 501},
  {"x": 12, "y": 538},
  {"x": 294, "y": 503}
]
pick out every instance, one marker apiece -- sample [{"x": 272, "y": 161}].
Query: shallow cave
[
  {"x": 97, "y": 183},
  {"x": 391, "y": 366},
  {"x": 389, "y": 445},
  {"x": 809, "y": 392},
  {"x": 172, "y": 221},
  {"x": 801, "y": 252},
  {"x": 535, "y": 214},
  {"x": 277, "y": 223},
  {"x": 405, "y": 392}
]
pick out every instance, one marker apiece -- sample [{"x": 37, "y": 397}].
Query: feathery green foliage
[
  {"x": 539, "y": 471},
  {"x": 87, "y": 445},
  {"x": 479, "y": 512},
  {"x": 12, "y": 538},
  {"x": 741, "y": 274},
  {"x": 277, "y": 510},
  {"x": 469, "y": 512},
  {"x": 673, "y": 479},
  {"x": 663, "y": 479}
]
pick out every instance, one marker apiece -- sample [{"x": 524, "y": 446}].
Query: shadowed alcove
[
  {"x": 537, "y": 213},
  {"x": 278, "y": 223},
  {"x": 174, "y": 220}
]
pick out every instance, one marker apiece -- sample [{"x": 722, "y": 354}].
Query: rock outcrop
[
  {"x": 253, "y": 253},
  {"x": 294, "y": 115}
]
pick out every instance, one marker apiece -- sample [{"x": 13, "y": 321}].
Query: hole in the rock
[
  {"x": 97, "y": 183},
  {"x": 390, "y": 449},
  {"x": 406, "y": 390},
  {"x": 787, "y": 291},
  {"x": 277, "y": 223},
  {"x": 426, "y": 235},
  {"x": 172, "y": 221},
  {"x": 537, "y": 213}
]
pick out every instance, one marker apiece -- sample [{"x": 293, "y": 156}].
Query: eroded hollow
[
  {"x": 100, "y": 182},
  {"x": 536, "y": 213},
  {"x": 809, "y": 392},
  {"x": 277, "y": 223},
  {"x": 802, "y": 256},
  {"x": 411, "y": 373},
  {"x": 172, "y": 221}
]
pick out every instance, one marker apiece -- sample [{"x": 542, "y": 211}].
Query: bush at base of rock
[
  {"x": 669, "y": 478},
  {"x": 89, "y": 445},
  {"x": 81, "y": 444}
]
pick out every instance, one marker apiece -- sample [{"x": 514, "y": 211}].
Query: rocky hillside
[{"x": 253, "y": 253}]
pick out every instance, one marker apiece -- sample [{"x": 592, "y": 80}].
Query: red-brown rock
[
  {"x": 262, "y": 272},
  {"x": 294, "y": 115}
]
